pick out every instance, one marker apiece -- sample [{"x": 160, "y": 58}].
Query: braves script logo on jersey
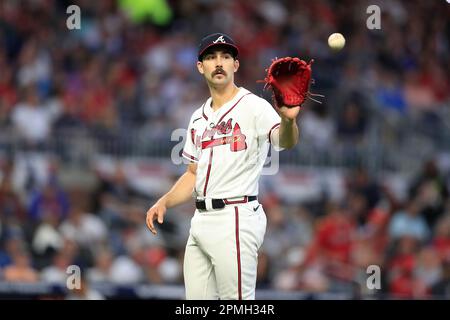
[
  {"x": 219, "y": 39},
  {"x": 236, "y": 139}
]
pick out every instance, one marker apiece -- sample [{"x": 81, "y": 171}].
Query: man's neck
[{"x": 220, "y": 96}]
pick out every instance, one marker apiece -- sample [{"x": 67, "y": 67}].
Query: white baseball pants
[{"x": 221, "y": 254}]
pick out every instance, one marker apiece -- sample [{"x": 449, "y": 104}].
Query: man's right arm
[{"x": 179, "y": 193}]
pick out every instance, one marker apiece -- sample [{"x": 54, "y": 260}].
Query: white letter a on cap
[{"x": 219, "y": 39}]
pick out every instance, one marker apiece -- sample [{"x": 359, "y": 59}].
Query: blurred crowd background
[{"x": 121, "y": 84}]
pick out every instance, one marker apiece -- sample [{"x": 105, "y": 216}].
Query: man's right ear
[{"x": 200, "y": 67}]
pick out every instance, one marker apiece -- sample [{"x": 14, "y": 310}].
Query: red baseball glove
[{"x": 289, "y": 79}]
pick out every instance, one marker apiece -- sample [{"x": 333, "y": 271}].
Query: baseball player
[{"x": 228, "y": 140}]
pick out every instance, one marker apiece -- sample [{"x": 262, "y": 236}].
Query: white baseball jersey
[{"x": 230, "y": 145}]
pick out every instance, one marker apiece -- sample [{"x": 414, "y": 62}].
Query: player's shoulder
[
  {"x": 198, "y": 113},
  {"x": 252, "y": 97},
  {"x": 257, "y": 103}
]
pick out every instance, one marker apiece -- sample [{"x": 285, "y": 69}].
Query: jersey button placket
[{"x": 212, "y": 119}]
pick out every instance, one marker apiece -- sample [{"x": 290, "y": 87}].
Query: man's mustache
[{"x": 219, "y": 71}]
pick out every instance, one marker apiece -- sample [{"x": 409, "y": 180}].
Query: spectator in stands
[
  {"x": 427, "y": 268},
  {"x": 101, "y": 271},
  {"x": 57, "y": 271},
  {"x": 419, "y": 97},
  {"x": 375, "y": 229},
  {"x": 409, "y": 222},
  {"x": 328, "y": 257},
  {"x": 281, "y": 235},
  {"x": 318, "y": 127},
  {"x": 302, "y": 220},
  {"x": 360, "y": 182},
  {"x": 51, "y": 200},
  {"x": 441, "y": 289},
  {"x": 69, "y": 118},
  {"x": 34, "y": 65},
  {"x": 8, "y": 91},
  {"x": 32, "y": 120},
  {"x": 86, "y": 229},
  {"x": 357, "y": 207},
  {"x": 389, "y": 93},
  {"x": 11, "y": 245},
  {"x": 263, "y": 278},
  {"x": 129, "y": 110},
  {"x": 46, "y": 240},
  {"x": 352, "y": 123},
  {"x": 11, "y": 208},
  {"x": 21, "y": 269},
  {"x": 334, "y": 235},
  {"x": 441, "y": 237},
  {"x": 125, "y": 271},
  {"x": 400, "y": 268},
  {"x": 112, "y": 197},
  {"x": 430, "y": 186},
  {"x": 81, "y": 256},
  {"x": 150, "y": 260},
  {"x": 116, "y": 185}
]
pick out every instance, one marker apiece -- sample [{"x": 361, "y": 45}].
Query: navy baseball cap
[{"x": 217, "y": 39}]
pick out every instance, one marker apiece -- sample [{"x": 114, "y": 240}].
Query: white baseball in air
[{"x": 336, "y": 41}]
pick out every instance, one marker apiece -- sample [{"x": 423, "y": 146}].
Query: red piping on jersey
[
  {"x": 203, "y": 113},
  {"x": 206, "y": 117},
  {"x": 220, "y": 120},
  {"x": 208, "y": 172},
  {"x": 270, "y": 132},
  {"x": 211, "y": 154},
  {"x": 238, "y": 253},
  {"x": 189, "y": 156}
]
